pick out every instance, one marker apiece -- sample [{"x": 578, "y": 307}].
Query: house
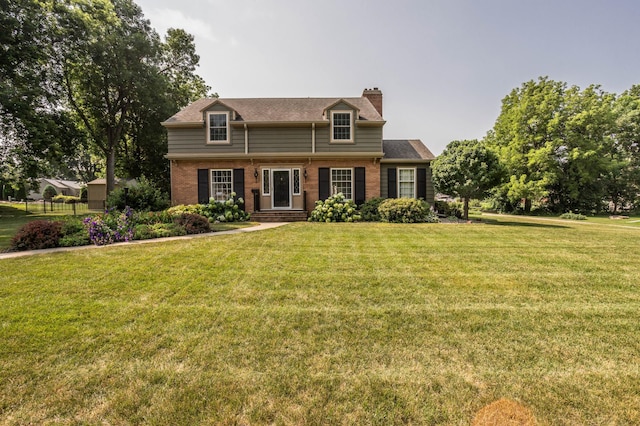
[
  {"x": 283, "y": 154},
  {"x": 62, "y": 187},
  {"x": 97, "y": 191}
]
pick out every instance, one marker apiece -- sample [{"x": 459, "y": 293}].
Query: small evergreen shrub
[
  {"x": 335, "y": 209},
  {"x": 66, "y": 199},
  {"x": 143, "y": 196},
  {"x": 450, "y": 208},
  {"x": 158, "y": 230},
  {"x": 36, "y": 235},
  {"x": 83, "y": 194},
  {"x": 49, "y": 192},
  {"x": 150, "y": 218},
  {"x": 74, "y": 233},
  {"x": 193, "y": 223},
  {"x": 369, "y": 210},
  {"x": 573, "y": 216},
  {"x": 405, "y": 210}
]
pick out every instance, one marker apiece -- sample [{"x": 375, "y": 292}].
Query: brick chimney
[{"x": 375, "y": 97}]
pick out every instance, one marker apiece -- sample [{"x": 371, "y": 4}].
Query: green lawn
[{"x": 328, "y": 324}]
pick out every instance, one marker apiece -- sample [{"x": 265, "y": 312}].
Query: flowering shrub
[
  {"x": 111, "y": 227},
  {"x": 406, "y": 210},
  {"x": 37, "y": 234},
  {"x": 335, "y": 209},
  {"x": 216, "y": 211}
]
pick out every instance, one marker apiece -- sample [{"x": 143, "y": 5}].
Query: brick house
[{"x": 283, "y": 154}]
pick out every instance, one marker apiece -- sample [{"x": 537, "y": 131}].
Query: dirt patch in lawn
[{"x": 504, "y": 412}]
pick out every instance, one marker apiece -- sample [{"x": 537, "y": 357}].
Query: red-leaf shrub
[
  {"x": 193, "y": 223},
  {"x": 38, "y": 234}
]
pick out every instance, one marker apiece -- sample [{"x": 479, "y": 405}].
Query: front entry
[{"x": 281, "y": 189}]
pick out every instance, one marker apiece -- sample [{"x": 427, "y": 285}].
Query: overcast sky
[{"x": 443, "y": 65}]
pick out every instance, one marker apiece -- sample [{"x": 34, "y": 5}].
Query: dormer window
[
  {"x": 218, "y": 127},
  {"x": 341, "y": 126}
]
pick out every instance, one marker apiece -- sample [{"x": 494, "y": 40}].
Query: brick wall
[{"x": 184, "y": 176}]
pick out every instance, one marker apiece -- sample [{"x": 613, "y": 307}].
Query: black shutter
[
  {"x": 421, "y": 180},
  {"x": 238, "y": 183},
  {"x": 203, "y": 186},
  {"x": 359, "y": 188},
  {"x": 324, "y": 183},
  {"x": 392, "y": 186}
]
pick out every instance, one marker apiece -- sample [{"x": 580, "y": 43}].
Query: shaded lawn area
[{"x": 328, "y": 324}]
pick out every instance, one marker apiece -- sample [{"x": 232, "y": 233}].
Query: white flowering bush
[
  {"x": 216, "y": 211},
  {"x": 335, "y": 209}
]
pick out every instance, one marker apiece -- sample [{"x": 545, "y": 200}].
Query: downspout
[
  {"x": 313, "y": 138},
  {"x": 246, "y": 138}
]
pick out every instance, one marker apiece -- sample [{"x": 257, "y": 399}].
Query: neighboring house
[
  {"x": 97, "y": 192},
  {"x": 62, "y": 187},
  {"x": 283, "y": 154}
]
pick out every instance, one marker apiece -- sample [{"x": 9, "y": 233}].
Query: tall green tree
[
  {"x": 582, "y": 157},
  {"x": 526, "y": 136},
  {"x": 623, "y": 175},
  {"x": 467, "y": 169}
]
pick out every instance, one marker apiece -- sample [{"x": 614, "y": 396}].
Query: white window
[
  {"x": 218, "y": 127},
  {"x": 341, "y": 126},
  {"x": 341, "y": 181},
  {"x": 266, "y": 182},
  {"x": 221, "y": 184},
  {"x": 296, "y": 181},
  {"x": 407, "y": 183}
]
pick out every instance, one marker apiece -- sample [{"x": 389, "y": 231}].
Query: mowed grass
[{"x": 328, "y": 324}]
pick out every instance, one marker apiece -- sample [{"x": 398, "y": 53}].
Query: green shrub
[
  {"x": 150, "y": 218},
  {"x": 142, "y": 196},
  {"x": 335, "y": 209},
  {"x": 573, "y": 216},
  {"x": 66, "y": 199},
  {"x": 369, "y": 210},
  {"x": 450, "y": 208},
  {"x": 36, "y": 235},
  {"x": 193, "y": 223},
  {"x": 216, "y": 211},
  {"x": 49, "y": 192},
  {"x": 158, "y": 230},
  {"x": 74, "y": 232},
  {"x": 405, "y": 210},
  {"x": 83, "y": 194}
]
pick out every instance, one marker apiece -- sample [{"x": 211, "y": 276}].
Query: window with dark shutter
[
  {"x": 421, "y": 183},
  {"x": 203, "y": 186},
  {"x": 238, "y": 183},
  {"x": 392, "y": 185},
  {"x": 324, "y": 183},
  {"x": 359, "y": 186}
]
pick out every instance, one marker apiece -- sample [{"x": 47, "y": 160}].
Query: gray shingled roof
[
  {"x": 304, "y": 110},
  {"x": 406, "y": 149}
]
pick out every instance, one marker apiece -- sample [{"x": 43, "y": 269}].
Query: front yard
[{"x": 328, "y": 324}]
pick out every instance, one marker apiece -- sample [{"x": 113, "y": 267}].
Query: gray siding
[
  {"x": 367, "y": 139},
  {"x": 384, "y": 178},
  {"x": 279, "y": 139},
  {"x": 194, "y": 141}
]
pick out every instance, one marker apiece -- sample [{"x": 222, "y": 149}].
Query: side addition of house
[{"x": 283, "y": 154}]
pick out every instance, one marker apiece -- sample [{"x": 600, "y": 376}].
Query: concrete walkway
[{"x": 260, "y": 227}]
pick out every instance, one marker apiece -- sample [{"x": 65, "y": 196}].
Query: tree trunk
[
  {"x": 466, "y": 209},
  {"x": 527, "y": 205},
  {"x": 111, "y": 166}
]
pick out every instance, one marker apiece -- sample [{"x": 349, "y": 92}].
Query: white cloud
[{"x": 163, "y": 19}]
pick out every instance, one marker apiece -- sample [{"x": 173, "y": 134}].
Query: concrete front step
[{"x": 279, "y": 216}]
